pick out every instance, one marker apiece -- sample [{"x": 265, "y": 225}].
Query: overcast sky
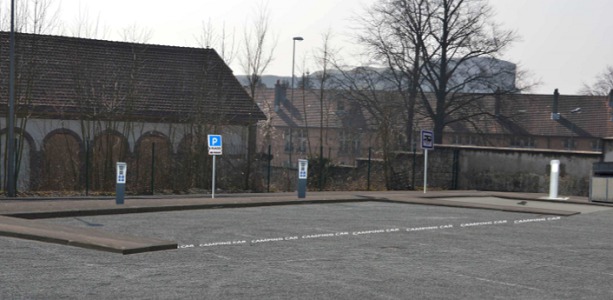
[{"x": 564, "y": 43}]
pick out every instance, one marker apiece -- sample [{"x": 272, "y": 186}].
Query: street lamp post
[
  {"x": 291, "y": 142},
  {"x": 10, "y": 170},
  {"x": 572, "y": 131}
]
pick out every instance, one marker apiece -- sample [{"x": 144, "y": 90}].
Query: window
[
  {"x": 569, "y": 144},
  {"x": 301, "y": 139},
  {"x": 523, "y": 142},
  {"x": 287, "y": 138},
  {"x": 597, "y": 145},
  {"x": 349, "y": 142}
]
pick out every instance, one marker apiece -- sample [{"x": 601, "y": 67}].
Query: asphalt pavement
[
  {"x": 372, "y": 247},
  {"x": 14, "y": 213}
]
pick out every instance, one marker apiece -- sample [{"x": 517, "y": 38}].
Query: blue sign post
[
  {"x": 215, "y": 148},
  {"x": 120, "y": 188},
  {"x": 427, "y": 143}
]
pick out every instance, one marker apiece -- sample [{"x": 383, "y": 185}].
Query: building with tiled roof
[
  {"x": 79, "y": 78},
  {"x": 95, "y": 102},
  {"x": 295, "y": 128},
  {"x": 557, "y": 122},
  {"x": 554, "y": 122}
]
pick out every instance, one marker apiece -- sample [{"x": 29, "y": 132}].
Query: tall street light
[
  {"x": 296, "y": 38},
  {"x": 291, "y": 143},
  {"x": 10, "y": 171}
]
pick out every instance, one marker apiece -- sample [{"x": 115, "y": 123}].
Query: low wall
[{"x": 503, "y": 169}]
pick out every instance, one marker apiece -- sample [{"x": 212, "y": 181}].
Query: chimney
[
  {"x": 497, "y": 103},
  {"x": 278, "y": 95},
  {"x": 555, "y": 115}
]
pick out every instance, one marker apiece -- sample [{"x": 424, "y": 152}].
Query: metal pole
[
  {"x": 213, "y": 180},
  {"x": 11, "y": 188},
  {"x": 425, "y": 170},
  {"x": 291, "y": 146},
  {"x": 414, "y": 163},
  {"x": 369, "y": 162},
  {"x": 87, "y": 168},
  {"x": 269, "y": 168},
  {"x": 321, "y": 167}
]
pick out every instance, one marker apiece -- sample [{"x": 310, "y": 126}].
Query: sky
[{"x": 562, "y": 43}]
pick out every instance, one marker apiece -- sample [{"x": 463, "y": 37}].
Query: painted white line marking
[{"x": 342, "y": 234}]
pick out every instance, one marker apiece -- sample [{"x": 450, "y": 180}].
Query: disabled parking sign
[{"x": 215, "y": 145}]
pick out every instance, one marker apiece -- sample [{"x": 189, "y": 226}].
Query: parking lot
[{"x": 369, "y": 250}]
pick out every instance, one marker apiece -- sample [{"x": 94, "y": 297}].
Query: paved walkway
[{"x": 19, "y": 217}]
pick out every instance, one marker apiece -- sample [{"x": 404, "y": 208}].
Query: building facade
[{"x": 81, "y": 105}]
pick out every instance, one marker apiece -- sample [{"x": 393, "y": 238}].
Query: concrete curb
[{"x": 80, "y": 237}]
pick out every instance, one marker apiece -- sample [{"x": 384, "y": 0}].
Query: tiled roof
[
  {"x": 85, "y": 78},
  {"x": 530, "y": 114},
  {"x": 306, "y": 109},
  {"x": 519, "y": 114}
]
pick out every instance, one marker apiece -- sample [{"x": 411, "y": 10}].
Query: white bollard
[{"x": 553, "y": 180}]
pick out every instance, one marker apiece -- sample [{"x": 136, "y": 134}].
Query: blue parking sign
[
  {"x": 214, "y": 144},
  {"x": 214, "y": 140}
]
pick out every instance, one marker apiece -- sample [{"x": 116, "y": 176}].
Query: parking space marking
[{"x": 357, "y": 233}]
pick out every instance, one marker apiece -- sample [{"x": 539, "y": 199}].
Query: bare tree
[
  {"x": 35, "y": 17},
  {"x": 223, "y": 42},
  {"x": 258, "y": 53},
  {"x": 365, "y": 89},
  {"x": 459, "y": 50},
  {"x": 602, "y": 85},
  {"x": 135, "y": 34},
  {"x": 86, "y": 26},
  {"x": 258, "y": 48},
  {"x": 392, "y": 32}
]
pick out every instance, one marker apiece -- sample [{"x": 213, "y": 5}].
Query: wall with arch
[{"x": 73, "y": 155}]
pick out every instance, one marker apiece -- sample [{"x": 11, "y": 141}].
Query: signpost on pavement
[
  {"x": 215, "y": 148},
  {"x": 427, "y": 143}
]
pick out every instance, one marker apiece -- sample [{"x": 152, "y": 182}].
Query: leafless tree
[
  {"x": 439, "y": 56},
  {"x": 258, "y": 49},
  {"x": 603, "y": 84},
  {"x": 136, "y": 34},
  {"x": 459, "y": 50},
  {"x": 86, "y": 26},
  {"x": 392, "y": 32},
  {"x": 223, "y": 42},
  {"x": 35, "y": 17}
]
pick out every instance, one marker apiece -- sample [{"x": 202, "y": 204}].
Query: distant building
[{"x": 557, "y": 122}]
